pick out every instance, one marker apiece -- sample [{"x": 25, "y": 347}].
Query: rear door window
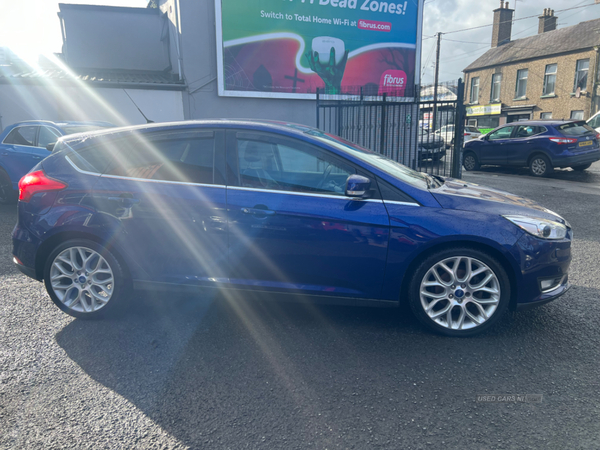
[
  {"x": 22, "y": 136},
  {"x": 187, "y": 159},
  {"x": 575, "y": 129},
  {"x": 525, "y": 131}
]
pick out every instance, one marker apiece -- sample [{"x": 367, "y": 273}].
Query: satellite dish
[{"x": 578, "y": 92}]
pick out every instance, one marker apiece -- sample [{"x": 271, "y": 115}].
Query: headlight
[{"x": 542, "y": 228}]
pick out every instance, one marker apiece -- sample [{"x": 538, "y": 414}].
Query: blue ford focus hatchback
[{"x": 279, "y": 209}]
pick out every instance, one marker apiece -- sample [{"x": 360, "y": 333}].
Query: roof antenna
[{"x": 138, "y": 108}]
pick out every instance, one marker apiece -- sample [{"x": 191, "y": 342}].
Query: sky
[
  {"x": 31, "y": 27},
  {"x": 449, "y": 15}
]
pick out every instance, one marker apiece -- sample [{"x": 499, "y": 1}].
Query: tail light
[
  {"x": 561, "y": 141},
  {"x": 35, "y": 182},
  {"x": 598, "y": 136}
]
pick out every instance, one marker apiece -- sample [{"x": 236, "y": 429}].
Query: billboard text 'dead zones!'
[{"x": 290, "y": 48}]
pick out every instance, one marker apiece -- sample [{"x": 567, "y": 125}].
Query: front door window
[
  {"x": 502, "y": 133},
  {"x": 288, "y": 167}
]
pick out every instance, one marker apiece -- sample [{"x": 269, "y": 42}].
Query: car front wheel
[
  {"x": 459, "y": 292},
  {"x": 470, "y": 162},
  {"x": 84, "y": 279}
]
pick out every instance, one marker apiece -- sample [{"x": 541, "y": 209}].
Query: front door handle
[
  {"x": 37, "y": 157},
  {"x": 258, "y": 211}
]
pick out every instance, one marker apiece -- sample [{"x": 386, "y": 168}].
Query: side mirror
[
  {"x": 357, "y": 186},
  {"x": 50, "y": 147}
]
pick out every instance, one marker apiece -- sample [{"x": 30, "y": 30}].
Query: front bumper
[
  {"x": 545, "y": 298},
  {"x": 541, "y": 259}
]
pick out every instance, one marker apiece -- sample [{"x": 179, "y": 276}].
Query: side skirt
[{"x": 297, "y": 297}]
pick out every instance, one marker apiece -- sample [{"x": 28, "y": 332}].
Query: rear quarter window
[{"x": 575, "y": 129}]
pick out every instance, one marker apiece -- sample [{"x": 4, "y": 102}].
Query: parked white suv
[
  {"x": 594, "y": 121},
  {"x": 446, "y": 133}
]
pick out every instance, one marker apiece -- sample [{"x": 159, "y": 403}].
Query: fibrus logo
[{"x": 393, "y": 82}]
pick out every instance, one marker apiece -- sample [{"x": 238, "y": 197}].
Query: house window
[
  {"x": 581, "y": 75},
  {"x": 546, "y": 115},
  {"x": 577, "y": 115},
  {"x": 475, "y": 90},
  {"x": 549, "y": 79},
  {"x": 496, "y": 80},
  {"x": 521, "y": 83}
]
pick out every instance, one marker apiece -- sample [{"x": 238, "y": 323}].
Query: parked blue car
[
  {"x": 24, "y": 144},
  {"x": 540, "y": 145},
  {"x": 282, "y": 210}
]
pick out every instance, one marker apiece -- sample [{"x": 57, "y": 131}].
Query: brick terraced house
[{"x": 552, "y": 75}]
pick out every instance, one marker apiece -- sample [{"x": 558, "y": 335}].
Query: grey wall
[
  {"x": 50, "y": 101},
  {"x": 198, "y": 51},
  {"x": 103, "y": 37}
]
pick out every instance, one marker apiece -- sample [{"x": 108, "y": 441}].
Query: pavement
[{"x": 211, "y": 372}]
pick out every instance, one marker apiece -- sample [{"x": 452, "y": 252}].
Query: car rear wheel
[
  {"x": 581, "y": 168},
  {"x": 459, "y": 292},
  {"x": 470, "y": 162},
  {"x": 540, "y": 166},
  {"x": 84, "y": 279},
  {"x": 7, "y": 193}
]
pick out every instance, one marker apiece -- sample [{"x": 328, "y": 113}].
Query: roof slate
[
  {"x": 95, "y": 76},
  {"x": 578, "y": 37}
]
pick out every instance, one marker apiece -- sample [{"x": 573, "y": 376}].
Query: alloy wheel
[
  {"x": 469, "y": 162},
  {"x": 538, "y": 166},
  {"x": 460, "y": 293},
  {"x": 82, "y": 279}
]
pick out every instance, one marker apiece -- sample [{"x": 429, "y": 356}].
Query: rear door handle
[
  {"x": 37, "y": 157},
  {"x": 124, "y": 199}
]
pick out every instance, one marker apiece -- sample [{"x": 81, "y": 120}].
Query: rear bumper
[
  {"x": 26, "y": 271},
  {"x": 577, "y": 160}
]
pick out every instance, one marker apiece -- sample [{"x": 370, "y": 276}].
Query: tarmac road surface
[{"x": 212, "y": 373}]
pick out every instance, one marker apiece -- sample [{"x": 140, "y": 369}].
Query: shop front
[{"x": 484, "y": 117}]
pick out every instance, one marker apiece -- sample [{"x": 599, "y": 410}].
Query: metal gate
[{"x": 424, "y": 135}]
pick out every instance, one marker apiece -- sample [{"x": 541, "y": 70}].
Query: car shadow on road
[
  {"x": 567, "y": 174},
  {"x": 217, "y": 372}
]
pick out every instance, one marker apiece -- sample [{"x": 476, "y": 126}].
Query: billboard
[{"x": 289, "y": 48}]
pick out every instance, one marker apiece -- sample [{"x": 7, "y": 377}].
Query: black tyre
[
  {"x": 470, "y": 162},
  {"x": 84, "y": 279},
  {"x": 540, "y": 166},
  {"x": 581, "y": 168},
  {"x": 7, "y": 193},
  {"x": 459, "y": 292}
]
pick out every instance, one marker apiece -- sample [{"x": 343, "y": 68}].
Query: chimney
[
  {"x": 547, "y": 21},
  {"x": 502, "y": 25}
]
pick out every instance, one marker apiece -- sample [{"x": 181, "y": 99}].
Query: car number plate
[{"x": 584, "y": 143}]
